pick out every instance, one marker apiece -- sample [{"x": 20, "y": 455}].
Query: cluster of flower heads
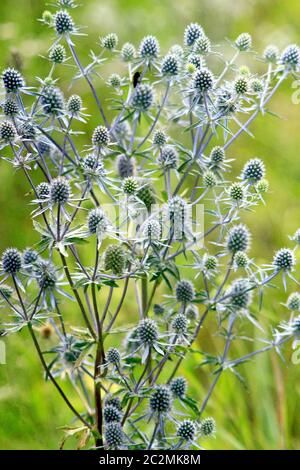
[{"x": 191, "y": 113}]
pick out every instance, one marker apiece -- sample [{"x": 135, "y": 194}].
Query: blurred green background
[{"x": 265, "y": 414}]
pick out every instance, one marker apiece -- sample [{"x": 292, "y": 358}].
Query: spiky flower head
[
  {"x": 111, "y": 414},
  {"x": 207, "y": 427},
  {"x": 159, "y": 138},
  {"x": 178, "y": 387},
  {"x": 291, "y": 56},
  {"x": 179, "y": 324},
  {"x": 97, "y": 222},
  {"x": 47, "y": 17},
  {"x": 7, "y": 131},
  {"x": 147, "y": 331},
  {"x": 30, "y": 256},
  {"x": 52, "y": 100},
  {"x": 146, "y": 195},
  {"x": 271, "y": 54},
  {"x": 170, "y": 65},
  {"x": 100, "y": 137},
  {"x": 63, "y": 22},
  {"x": 257, "y": 85},
  {"x": 112, "y": 400},
  {"x": 185, "y": 291},
  {"x": 130, "y": 185},
  {"x": 57, "y": 54},
  {"x": 43, "y": 190},
  {"x": 284, "y": 259},
  {"x": 210, "y": 262},
  {"x": 27, "y": 130},
  {"x": 10, "y": 108},
  {"x": 149, "y": 47},
  {"x": 191, "y": 312},
  {"x": 240, "y": 294},
  {"x": 114, "y": 80},
  {"x": 114, "y": 436},
  {"x": 237, "y": 192},
  {"x": 202, "y": 45},
  {"x": 128, "y": 52},
  {"x": 196, "y": 60},
  {"x": 192, "y": 32},
  {"x": 238, "y": 238},
  {"x": 12, "y": 80},
  {"x": 217, "y": 156},
  {"x": 253, "y": 171},
  {"x": 125, "y": 166},
  {"x": 11, "y": 261},
  {"x": 143, "y": 97},
  {"x": 293, "y": 302},
  {"x": 115, "y": 259},
  {"x": 168, "y": 157},
  {"x": 243, "y": 42},
  {"x": 209, "y": 179},
  {"x": 158, "y": 309},
  {"x": 46, "y": 275},
  {"x": 244, "y": 70},
  {"x": 241, "y": 85},
  {"x": 177, "y": 50},
  {"x": 113, "y": 356},
  {"x": 262, "y": 186},
  {"x": 152, "y": 230},
  {"x": 60, "y": 190},
  {"x": 74, "y": 104},
  {"x": 226, "y": 101},
  {"x": 186, "y": 430},
  {"x": 241, "y": 260},
  {"x": 6, "y": 291},
  {"x": 110, "y": 41},
  {"x": 161, "y": 400},
  {"x": 177, "y": 207},
  {"x": 203, "y": 80}
]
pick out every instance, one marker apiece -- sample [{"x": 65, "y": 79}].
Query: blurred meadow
[{"x": 264, "y": 412}]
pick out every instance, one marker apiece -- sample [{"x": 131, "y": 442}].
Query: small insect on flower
[
  {"x": 7, "y": 131},
  {"x": 238, "y": 239},
  {"x": 110, "y": 41},
  {"x": 243, "y": 42},
  {"x": 149, "y": 48},
  {"x": 11, "y": 261},
  {"x": 161, "y": 400},
  {"x": 186, "y": 430},
  {"x": 115, "y": 259},
  {"x": 63, "y": 22},
  {"x": 178, "y": 387},
  {"x": 207, "y": 427},
  {"x": 192, "y": 32},
  {"x": 185, "y": 291},
  {"x": 143, "y": 97},
  {"x": 12, "y": 80}
]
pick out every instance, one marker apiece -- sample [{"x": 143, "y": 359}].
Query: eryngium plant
[{"x": 111, "y": 209}]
